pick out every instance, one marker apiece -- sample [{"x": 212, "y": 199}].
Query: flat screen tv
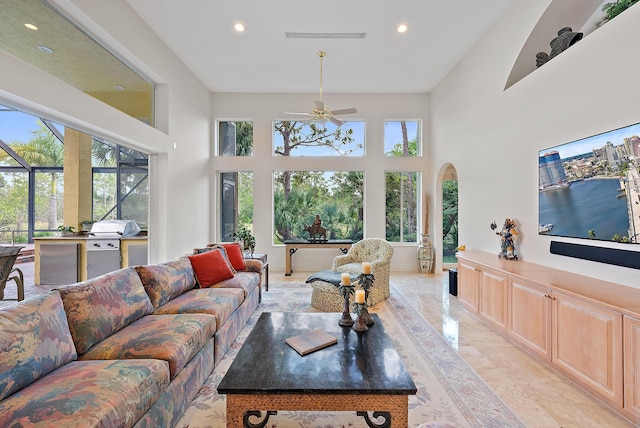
[{"x": 590, "y": 188}]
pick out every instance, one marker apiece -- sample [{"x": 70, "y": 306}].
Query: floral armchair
[{"x": 376, "y": 251}]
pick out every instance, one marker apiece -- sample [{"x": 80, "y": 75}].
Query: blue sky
[
  {"x": 17, "y": 126},
  {"x": 616, "y": 137}
]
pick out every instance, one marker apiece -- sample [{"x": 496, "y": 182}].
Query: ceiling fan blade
[
  {"x": 319, "y": 105},
  {"x": 336, "y": 121},
  {"x": 298, "y": 114},
  {"x": 345, "y": 111}
]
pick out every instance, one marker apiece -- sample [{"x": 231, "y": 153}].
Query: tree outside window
[
  {"x": 335, "y": 196},
  {"x": 402, "y": 206},
  {"x": 32, "y": 179},
  {"x": 449, "y": 220},
  {"x": 235, "y": 138},
  {"x": 402, "y": 138},
  {"x": 298, "y": 138}
]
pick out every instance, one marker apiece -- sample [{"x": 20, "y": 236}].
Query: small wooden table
[
  {"x": 362, "y": 372},
  {"x": 291, "y": 246}
]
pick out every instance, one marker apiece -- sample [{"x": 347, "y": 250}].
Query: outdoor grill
[
  {"x": 103, "y": 245},
  {"x": 114, "y": 229}
]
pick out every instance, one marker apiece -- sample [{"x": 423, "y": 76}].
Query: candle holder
[
  {"x": 366, "y": 281},
  {"x": 346, "y": 291},
  {"x": 359, "y": 326}
]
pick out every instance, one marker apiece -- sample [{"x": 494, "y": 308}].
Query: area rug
[{"x": 450, "y": 394}]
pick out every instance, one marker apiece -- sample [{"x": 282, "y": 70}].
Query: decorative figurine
[
  {"x": 566, "y": 38},
  {"x": 317, "y": 233},
  {"x": 507, "y": 237}
]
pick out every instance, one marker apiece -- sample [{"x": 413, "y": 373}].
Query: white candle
[
  {"x": 360, "y": 296},
  {"x": 366, "y": 268},
  {"x": 345, "y": 279}
]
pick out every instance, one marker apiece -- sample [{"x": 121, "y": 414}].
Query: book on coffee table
[{"x": 311, "y": 341}]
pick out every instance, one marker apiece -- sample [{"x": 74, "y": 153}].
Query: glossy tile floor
[{"x": 537, "y": 394}]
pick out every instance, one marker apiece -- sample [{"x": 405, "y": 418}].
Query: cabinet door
[
  {"x": 468, "y": 287},
  {"x": 632, "y": 365},
  {"x": 530, "y": 317},
  {"x": 587, "y": 345},
  {"x": 493, "y": 298}
]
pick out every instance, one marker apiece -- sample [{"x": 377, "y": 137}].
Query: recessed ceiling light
[
  {"x": 31, "y": 26},
  {"x": 402, "y": 28},
  {"x": 119, "y": 87},
  {"x": 239, "y": 27},
  {"x": 46, "y": 49}
]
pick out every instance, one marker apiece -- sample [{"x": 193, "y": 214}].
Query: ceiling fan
[{"x": 320, "y": 113}]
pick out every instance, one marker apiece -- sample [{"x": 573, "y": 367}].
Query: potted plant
[
  {"x": 245, "y": 236},
  {"x": 85, "y": 225},
  {"x": 67, "y": 230}
]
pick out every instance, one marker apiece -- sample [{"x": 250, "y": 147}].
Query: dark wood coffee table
[{"x": 362, "y": 372}]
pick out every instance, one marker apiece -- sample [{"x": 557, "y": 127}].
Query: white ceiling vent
[{"x": 294, "y": 35}]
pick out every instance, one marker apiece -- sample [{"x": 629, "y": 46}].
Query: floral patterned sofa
[{"x": 129, "y": 348}]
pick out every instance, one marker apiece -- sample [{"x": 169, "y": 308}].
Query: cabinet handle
[{"x": 550, "y": 297}]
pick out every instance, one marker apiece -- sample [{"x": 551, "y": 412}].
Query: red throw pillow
[
  {"x": 234, "y": 252},
  {"x": 210, "y": 268}
]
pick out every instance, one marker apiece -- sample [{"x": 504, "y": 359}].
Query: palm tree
[{"x": 44, "y": 149}]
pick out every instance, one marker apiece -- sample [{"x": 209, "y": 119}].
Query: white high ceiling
[{"x": 261, "y": 59}]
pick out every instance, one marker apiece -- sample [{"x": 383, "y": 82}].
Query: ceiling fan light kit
[{"x": 320, "y": 112}]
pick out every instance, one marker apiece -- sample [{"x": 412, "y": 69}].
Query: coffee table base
[{"x": 391, "y": 407}]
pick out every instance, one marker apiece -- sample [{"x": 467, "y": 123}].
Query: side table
[{"x": 265, "y": 266}]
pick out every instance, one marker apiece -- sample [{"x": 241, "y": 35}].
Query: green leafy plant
[
  {"x": 611, "y": 10},
  {"x": 67, "y": 229},
  {"x": 246, "y": 237}
]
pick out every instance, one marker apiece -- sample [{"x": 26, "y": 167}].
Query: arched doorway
[{"x": 448, "y": 187}]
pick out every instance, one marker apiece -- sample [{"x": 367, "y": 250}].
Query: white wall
[
  {"x": 493, "y": 136},
  {"x": 375, "y": 109},
  {"x": 180, "y": 182}
]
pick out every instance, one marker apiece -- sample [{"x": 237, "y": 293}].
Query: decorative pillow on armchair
[{"x": 210, "y": 267}]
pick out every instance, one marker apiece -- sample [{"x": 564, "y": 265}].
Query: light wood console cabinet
[
  {"x": 587, "y": 329},
  {"x": 485, "y": 293}
]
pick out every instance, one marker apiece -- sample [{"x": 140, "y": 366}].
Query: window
[
  {"x": 402, "y": 138},
  {"x": 402, "y": 206},
  {"x": 236, "y": 205},
  {"x": 32, "y": 178},
  {"x": 301, "y": 195},
  {"x": 235, "y": 138},
  {"x": 449, "y": 216},
  {"x": 298, "y": 138},
  {"x": 120, "y": 183}
]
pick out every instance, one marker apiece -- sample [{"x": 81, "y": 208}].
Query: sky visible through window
[
  {"x": 393, "y": 133},
  {"x": 392, "y": 137},
  {"x": 17, "y": 126}
]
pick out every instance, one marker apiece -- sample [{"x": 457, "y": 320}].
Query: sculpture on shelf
[
  {"x": 566, "y": 38},
  {"x": 317, "y": 233},
  {"x": 507, "y": 237}
]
